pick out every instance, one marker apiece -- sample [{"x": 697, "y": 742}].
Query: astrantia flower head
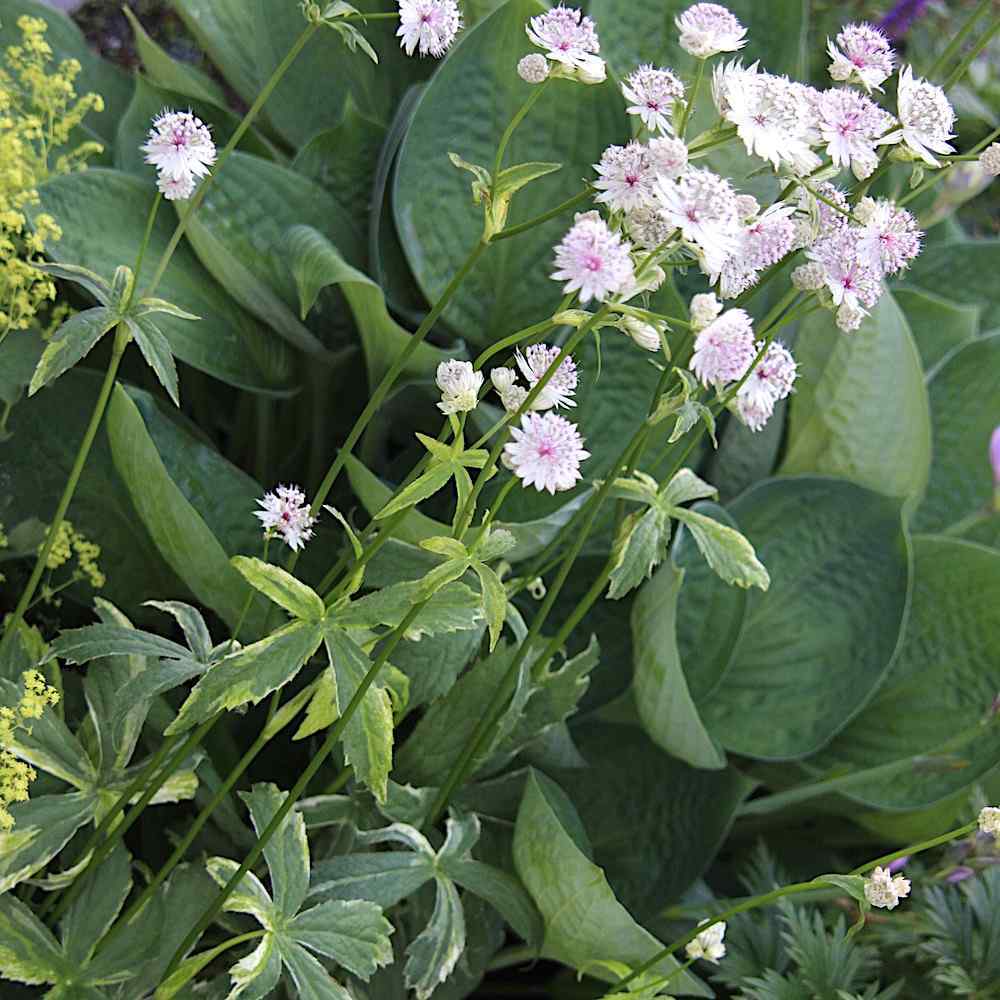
[
  {"x": 593, "y": 260},
  {"x": 851, "y": 126},
  {"x": 703, "y": 206},
  {"x": 849, "y": 277},
  {"x": 709, "y": 28},
  {"x": 559, "y": 390},
  {"x": 459, "y": 383},
  {"x": 175, "y": 188},
  {"x": 890, "y": 238},
  {"x": 884, "y": 890},
  {"x": 180, "y": 146},
  {"x": 926, "y": 117},
  {"x": 861, "y": 54},
  {"x": 770, "y": 381},
  {"x": 429, "y": 26},
  {"x": 567, "y": 36},
  {"x": 648, "y": 227},
  {"x": 652, "y": 94},
  {"x": 809, "y": 277},
  {"x": 511, "y": 394},
  {"x": 724, "y": 349},
  {"x": 989, "y": 159},
  {"x": 704, "y": 309},
  {"x": 668, "y": 157},
  {"x": 989, "y": 821},
  {"x": 708, "y": 944},
  {"x": 626, "y": 177},
  {"x": 546, "y": 452},
  {"x": 850, "y": 316},
  {"x": 286, "y": 513},
  {"x": 533, "y": 68},
  {"x": 763, "y": 241}
]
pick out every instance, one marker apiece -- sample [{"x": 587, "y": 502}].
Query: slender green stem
[
  {"x": 529, "y": 332},
  {"x": 248, "y": 119},
  {"x": 970, "y": 521},
  {"x": 519, "y": 117},
  {"x": 924, "y": 845},
  {"x": 333, "y": 736},
  {"x": 523, "y": 227},
  {"x": 955, "y": 45},
  {"x": 143, "y": 247},
  {"x": 390, "y": 16},
  {"x": 984, "y": 40},
  {"x": 120, "y": 344},
  {"x": 686, "y": 117},
  {"x": 941, "y": 174}
]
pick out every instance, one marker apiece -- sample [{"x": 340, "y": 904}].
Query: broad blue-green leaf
[
  {"x": 434, "y": 952},
  {"x": 668, "y": 712},
  {"x": 351, "y": 932},
  {"x": 28, "y": 951},
  {"x": 938, "y": 324},
  {"x": 935, "y": 705},
  {"x": 809, "y": 658},
  {"x": 838, "y": 424},
  {"x": 584, "y": 922},
  {"x": 745, "y": 457},
  {"x": 282, "y": 588},
  {"x": 250, "y": 674},
  {"x": 570, "y": 125},
  {"x": 966, "y": 271},
  {"x": 226, "y": 343},
  {"x": 94, "y": 910},
  {"x": 71, "y": 343},
  {"x": 965, "y": 409},
  {"x": 383, "y": 878}
]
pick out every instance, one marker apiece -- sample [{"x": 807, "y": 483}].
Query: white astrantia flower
[
  {"x": 533, "y": 68},
  {"x": 546, "y": 452},
  {"x": 724, "y": 349},
  {"x": 763, "y": 241},
  {"x": 567, "y": 35},
  {"x": 512, "y": 395},
  {"x": 626, "y": 178},
  {"x": 706, "y": 29},
  {"x": 704, "y": 309},
  {"x": 771, "y": 380},
  {"x": 989, "y": 821},
  {"x": 851, "y": 125},
  {"x": 459, "y": 383},
  {"x": 884, "y": 890},
  {"x": 708, "y": 944},
  {"x": 861, "y": 54},
  {"x": 889, "y": 238},
  {"x": 747, "y": 208},
  {"x": 644, "y": 334},
  {"x": 652, "y": 94},
  {"x": 647, "y": 227},
  {"x": 593, "y": 260},
  {"x": 774, "y": 118},
  {"x": 926, "y": 117},
  {"x": 558, "y": 391},
  {"x": 849, "y": 278},
  {"x": 176, "y": 188},
  {"x": 702, "y": 205},
  {"x": 428, "y": 26},
  {"x": 286, "y": 513},
  {"x": 989, "y": 159},
  {"x": 180, "y": 146},
  {"x": 668, "y": 157}
]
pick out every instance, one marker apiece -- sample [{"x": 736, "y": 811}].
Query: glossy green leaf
[
  {"x": 584, "y": 922},
  {"x": 351, "y": 932},
  {"x": 837, "y": 420},
  {"x": 571, "y": 125},
  {"x": 809, "y": 658},
  {"x": 71, "y": 343},
  {"x": 434, "y": 952},
  {"x": 282, "y": 588},
  {"x": 227, "y": 343},
  {"x": 384, "y": 878},
  {"x": 28, "y": 952},
  {"x": 938, "y": 324},
  {"x": 668, "y": 713}
]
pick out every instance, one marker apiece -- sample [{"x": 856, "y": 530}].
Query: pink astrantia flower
[
  {"x": 180, "y": 146},
  {"x": 851, "y": 125},
  {"x": 559, "y": 390},
  {"x": 708, "y": 29},
  {"x": 286, "y": 513},
  {"x": 926, "y": 117},
  {"x": 533, "y": 68},
  {"x": 459, "y": 383},
  {"x": 763, "y": 241},
  {"x": 849, "y": 277},
  {"x": 652, "y": 94},
  {"x": 724, "y": 349},
  {"x": 770, "y": 381},
  {"x": 593, "y": 260},
  {"x": 175, "y": 188},
  {"x": 429, "y": 26},
  {"x": 648, "y": 227},
  {"x": 626, "y": 177},
  {"x": 861, "y": 54},
  {"x": 989, "y": 159},
  {"x": 567, "y": 36},
  {"x": 669, "y": 157},
  {"x": 702, "y": 205},
  {"x": 546, "y": 452},
  {"x": 890, "y": 238}
]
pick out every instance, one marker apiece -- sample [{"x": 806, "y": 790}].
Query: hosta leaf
[
  {"x": 72, "y": 342},
  {"x": 28, "y": 951},
  {"x": 384, "y": 878},
  {"x": 965, "y": 270},
  {"x": 662, "y": 697},
  {"x": 434, "y": 952},
  {"x": 726, "y": 550},
  {"x": 250, "y": 674},
  {"x": 583, "y": 919},
  {"x": 351, "y": 932},
  {"x": 282, "y": 588},
  {"x": 938, "y": 325}
]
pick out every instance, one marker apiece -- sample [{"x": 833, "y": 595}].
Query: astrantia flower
[
  {"x": 459, "y": 383},
  {"x": 175, "y": 188},
  {"x": 989, "y": 159},
  {"x": 626, "y": 177},
  {"x": 989, "y": 821},
  {"x": 763, "y": 241},
  {"x": 849, "y": 278},
  {"x": 704, "y": 309},
  {"x": 819, "y": 219},
  {"x": 533, "y": 68},
  {"x": 593, "y": 260},
  {"x": 861, "y": 54},
  {"x": 884, "y": 890},
  {"x": 558, "y": 391},
  {"x": 180, "y": 146},
  {"x": 709, "y": 28},
  {"x": 850, "y": 316},
  {"x": 708, "y": 944},
  {"x": 512, "y": 395},
  {"x": 703, "y": 206},
  {"x": 285, "y": 512},
  {"x": 429, "y": 26},
  {"x": 668, "y": 157},
  {"x": 771, "y": 380},
  {"x": 890, "y": 238},
  {"x": 809, "y": 277},
  {"x": 567, "y": 36},
  {"x": 648, "y": 227},
  {"x": 724, "y": 349},
  {"x": 652, "y": 94},
  {"x": 926, "y": 117},
  {"x": 546, "y": 452},
  {"x": 851, "y": 126}
]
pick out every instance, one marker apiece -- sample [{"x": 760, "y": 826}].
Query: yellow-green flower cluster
[
  {"x": 38, "y": 112},
  {"x": 15, "y": 775},
  {"x": 70, "y": 542}
]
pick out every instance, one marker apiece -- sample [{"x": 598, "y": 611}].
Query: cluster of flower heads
[
  {"x": 428, "y": 26},
  {"x": 571, "y": 46},
  {"x": 69, "y": 543},
  {"x": 180, "y": 146},
  {"x": 286, "y": 513}
]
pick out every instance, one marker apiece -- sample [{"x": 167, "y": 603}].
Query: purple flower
[
  {"x": 995, "y": 456},
  {"x": 899, "y": 864},
  {"x": 960, "y": 874},
  {"x": 897, "y": 22}
]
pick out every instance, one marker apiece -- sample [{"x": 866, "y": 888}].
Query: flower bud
[
  {"x": 989, "y": 821},
  {"x": 989, "y": 159},
  {"x": 533, "y": 68},
  {"x": 644, "y": 334},
  {"x": 705, "y": 309}
]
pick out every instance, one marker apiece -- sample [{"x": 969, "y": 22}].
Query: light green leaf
[
  {"x": 725, "y": 549},
  {"x": 250, "y": 674},
  {"x": 72, "y": 342},
  {"x": 434, "y": 952},
  {"x": 453, "y": 608},
  {"x": 187, "y": 970},
  {"x": 853, "y": 885},
  {"x": 639, "y": 548},
  {"x": 583, "y": 919},
  {"x": 28, "y": 951},
  {"x": 312, "y": 981},
  {"x": 322, "y": 711},
  {"x": 351, "y": 932},
  {"x": 503, "y": 891},
  {"x": 422, "y": 488},
  {"x": 665, "y": 705},
  {"x": 155, "y": 349},
  {"x": 494, "y": 598},
  {"x": 80, "y": 645},
  {"x": 282, "y": 588},
  {"x": 92, "y": 282},
  {"x": 249, "y": 896},
  {"x": 255, "y": 976},
  {"x": 685, "y": 487},
  {"x": 384, "y": 878}
]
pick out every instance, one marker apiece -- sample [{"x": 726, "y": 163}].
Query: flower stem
[
  {"x": 924, "y": 845},
  {"x": 519, "y": 117},
  {"x": 955, "y": 46},
  {"x": 523, "y": 227},
  {"x": 686, "y": 117},
  {"x": 143, "y": 247},
  {"x": 939, "y": 175},
  {"x": 961, "y": 68}
]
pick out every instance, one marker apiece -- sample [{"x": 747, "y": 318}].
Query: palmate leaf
[
  {"x": 435, "y": 951},
  {"x": 282, "y": 588},
  {"x": 155, "y": 348},
  {"x": 726, "y": 550},
  {"x": 28, "y": 951},
  {"x": 71, "y": 343}
]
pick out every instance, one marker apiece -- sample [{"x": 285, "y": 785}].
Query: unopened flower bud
[
  {"x": 850, "y": 317},
  {"x": 533, "y": 68},
  {"x": 592, "y": 70},
  {"x": 708, "y": 944},
  {"x": 809, "y": 277},
  {"x": 459, "y": 383},
  {"x": 572, "y": 317},
  {"x": 990, "y": 159},
  {"x": 989, "y": 821},
  {"x": 705, "y": 309},
  {"x": 644, "y": 334}
]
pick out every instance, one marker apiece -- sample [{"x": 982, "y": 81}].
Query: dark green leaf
[
  {"x": 938, "y": 325},
  {"x": 503, "y": 891},
  {"x": 434, "y": 952},
  {"x": 966, "y": 270},
  {"x": 312, "y": 981},
  {"x": 72, "y": 342},
  {"x": 28, "y": 953},
  {"x": 96, "y": 907},
  {"x": 384, "y": 878},
  {"x": 156, "y": 350}
]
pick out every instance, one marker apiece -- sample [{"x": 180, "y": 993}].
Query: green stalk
[
  {"x": 519, "y": 117},
  {"x": 984, "y": 40},
  {"x": 686, "y": 117},
  {"x": 955, "y": 46},
  {"x": 940, "y": 174},
  {"x": 523, "y": 227},
  {"x": 924, "y": 845}
]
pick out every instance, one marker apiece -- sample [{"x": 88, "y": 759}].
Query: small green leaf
[
  {"x": 433, "y": 954},
  {"x": 433, "y": 480},
  {"x": 322, "y": 710},
  {"x": 512, "y": 179},
  {"x": 494, "y": 597},
  {"x": 28, "y": 951},
  {"x": 685, "y": 487},
  {"x": 187, "y": 970},
  {"x": 71, "y": 343},
  {"x": 639, "y": 548},
  {"x": 81, "y": 276},
  {"x": 454, "y": 607},
  {"x": 249, "y": 896},
  {"x": 146, "y": 306},
  {"x": 853, "y": 885},
  {"x": 726, "y": 550},
  {"x": 281, "y": 587}
]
